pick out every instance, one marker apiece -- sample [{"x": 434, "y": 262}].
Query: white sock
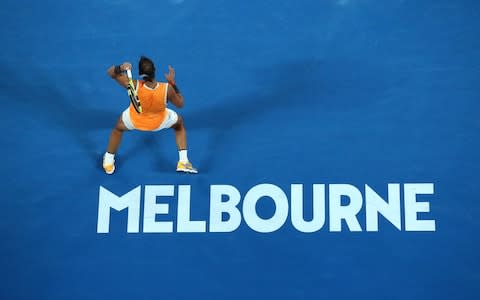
[
  {"x": 182, "y": 155},
  {"x": 108, "y": 158}
]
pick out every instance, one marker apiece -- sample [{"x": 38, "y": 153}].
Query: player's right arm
[{"x": 117, "y": 73}]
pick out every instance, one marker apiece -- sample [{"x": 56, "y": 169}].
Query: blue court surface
[{"x": 365, "y": 101}]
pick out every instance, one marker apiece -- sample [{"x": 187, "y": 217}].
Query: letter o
[{"x": 281, "y": 208}]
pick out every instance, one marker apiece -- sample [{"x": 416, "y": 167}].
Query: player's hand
[
  {"x": 126, "y": 66},
  {"x": 170, "y": 76}
]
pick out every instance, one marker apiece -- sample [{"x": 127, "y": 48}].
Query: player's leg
[
  {"x": 174, "y": 121},
  {"x": 183, "y": 164},
  {"x": 180, "y": 134},
  {"x": 123, "y": 124},
  {"x": 116, "y": 136}
]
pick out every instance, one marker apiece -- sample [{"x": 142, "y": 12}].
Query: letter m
[{"x": 107, "y": 200}]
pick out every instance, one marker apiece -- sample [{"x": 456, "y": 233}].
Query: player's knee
[
  {"x": 179, "y": 124},
  {"x": 119, "y": 126}
]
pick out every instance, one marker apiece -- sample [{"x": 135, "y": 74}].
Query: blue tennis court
[{"x": 361, "y": 115}]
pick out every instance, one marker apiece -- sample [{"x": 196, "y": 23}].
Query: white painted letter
[
  {"x": 412, "y": 207},
  {"x": 348, "y": 212},
  {"x": 107, "y": 200},
  {"x": 281, "y": 208},
  {"x": 184, "y": 224},
  {"x": 390, "y": 210},
  {"x": 152, "y": 208},
  {"x": 318, "y": 218},
  {"x": 217, "y": 208}
]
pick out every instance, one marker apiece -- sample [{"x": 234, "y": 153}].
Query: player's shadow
[
  {"x": 298, "y": 85},
  {"x": 309, "y": 87},
  {"x": 67, "y": 110},
  {"x": 277, "y": 88},
  {"x": 153, "y": 142}
]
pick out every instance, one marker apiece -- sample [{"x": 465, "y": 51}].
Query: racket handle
[{"x": 129, "y": 74}]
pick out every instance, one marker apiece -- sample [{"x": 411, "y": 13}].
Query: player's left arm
[
  {"x": 117, "y": 73},
  {"x": 173, "y": 94}
]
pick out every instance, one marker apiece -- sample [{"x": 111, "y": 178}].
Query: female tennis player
[{"x": 154, "y": 115}]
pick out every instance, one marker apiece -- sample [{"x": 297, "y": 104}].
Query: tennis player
[{"x": 155, "y": 115}]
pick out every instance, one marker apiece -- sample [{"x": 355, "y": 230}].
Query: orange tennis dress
[{"x": 154, "y": 106}]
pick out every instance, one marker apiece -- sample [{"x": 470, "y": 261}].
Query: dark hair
[{"x": 146, "y": 68}]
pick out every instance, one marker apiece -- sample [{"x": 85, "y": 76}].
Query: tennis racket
[{"x": 132, "y": 93}]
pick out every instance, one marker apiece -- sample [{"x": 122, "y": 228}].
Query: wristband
[
  {"x": 175, "y": 88},
  {"x": 118, "y": 70}
]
